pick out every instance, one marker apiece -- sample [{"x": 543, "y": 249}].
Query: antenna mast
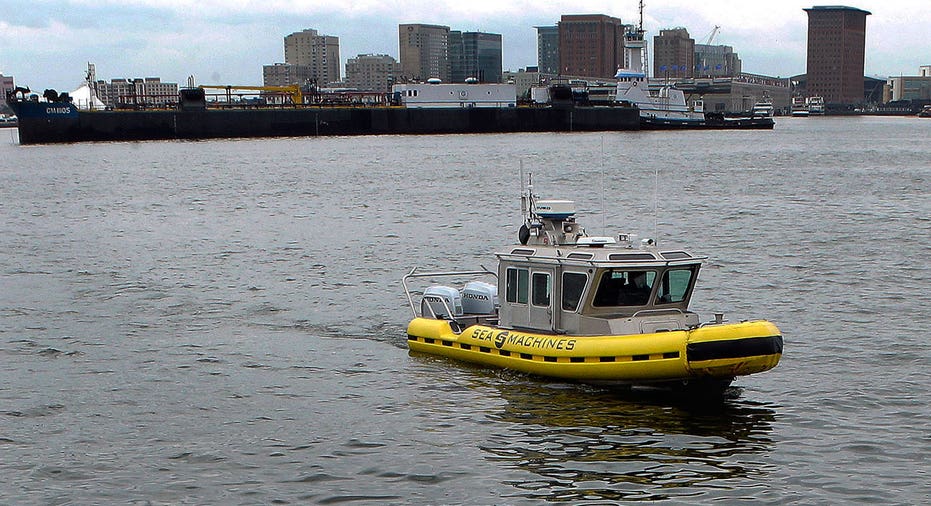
[{"x": 641, "y": 16}]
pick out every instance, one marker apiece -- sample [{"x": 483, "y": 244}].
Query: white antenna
[
  {"x": 523, "y": 196},
  {"x": 604, "y": 210},
  {"x": 655, "y": 200}
]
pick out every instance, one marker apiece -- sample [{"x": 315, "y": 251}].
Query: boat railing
[
  {"x": 658, "y": 312},
  {"x": 441, "y": 274}
]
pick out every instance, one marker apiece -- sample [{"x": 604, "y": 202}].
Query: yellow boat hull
[{"x": 720, "y": 352}]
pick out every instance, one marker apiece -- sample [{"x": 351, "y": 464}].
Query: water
[{"x": 222, "y": 321}]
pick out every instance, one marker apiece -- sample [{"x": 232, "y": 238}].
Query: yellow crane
[{"x": 293, "y": 90}]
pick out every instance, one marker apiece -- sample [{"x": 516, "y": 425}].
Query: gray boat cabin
[{"x": 560, "y": 280}]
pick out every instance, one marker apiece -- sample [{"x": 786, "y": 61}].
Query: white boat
[
  {"x": 815, "y": 106},
  {"x": 799, "y": 107},
  {"x": 666, "y": 107},
  {"x": 763, "y": 109}
]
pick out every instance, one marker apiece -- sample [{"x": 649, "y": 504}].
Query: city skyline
[{"x": 43, "y": 46}]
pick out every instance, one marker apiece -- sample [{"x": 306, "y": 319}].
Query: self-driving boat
[{"x": 603, "y": 310}]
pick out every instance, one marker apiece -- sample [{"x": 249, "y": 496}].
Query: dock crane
[{"x": 711, "y": 37}]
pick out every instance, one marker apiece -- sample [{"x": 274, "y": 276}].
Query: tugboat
[
  {"x": 601, "y": 310},
  {"x": 666, "y": 108}
]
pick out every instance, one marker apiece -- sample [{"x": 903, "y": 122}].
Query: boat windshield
[
  {"x": 619, "y": 287},
  {"x": 674, "y": 287},
  {"x": 627, "y": 287}
]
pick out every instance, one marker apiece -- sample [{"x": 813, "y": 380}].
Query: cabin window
[
  {"x": 573, "y": 284},
  {"x": 674, "y": 286},
  {"x": 624, "y": 288},
  {"x": 517, "y": 285},
  {"x": 541, "y": 289}
]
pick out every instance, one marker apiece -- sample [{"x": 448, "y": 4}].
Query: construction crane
[
  {"x": 714, "y": 32},
  {"x": 297, "y": 98}
]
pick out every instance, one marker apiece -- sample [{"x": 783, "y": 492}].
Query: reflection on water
[{"x": 587, "y": 443}]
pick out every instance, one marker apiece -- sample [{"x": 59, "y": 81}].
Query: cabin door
[{"x": 542, "y": 295}]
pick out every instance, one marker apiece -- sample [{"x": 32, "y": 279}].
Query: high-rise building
[
  {"x": 548, "y": 49},
  {"x": 836, "y": 53},
  {"x": 716, "y": 61},
  {"x": 318, "y": 52},
  {"x": 424, "y": 52},
  {"x": 673, "y": 53},
  {"x": 474, "y": 55},
  {"x": 590, "y": 45},
  {"x": 372, "y": 72}
]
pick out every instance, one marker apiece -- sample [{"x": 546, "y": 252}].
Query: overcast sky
[{"x": 47, "y": 44}]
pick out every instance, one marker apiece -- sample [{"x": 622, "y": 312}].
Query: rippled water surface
[{"x": 222, "y": 321}]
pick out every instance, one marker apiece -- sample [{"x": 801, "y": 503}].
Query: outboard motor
[
  {"x": 436, "y": 300},
  {"x": 479, "y": 297}
]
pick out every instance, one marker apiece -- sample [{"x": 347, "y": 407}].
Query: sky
[{"x": 47, "y": 44}]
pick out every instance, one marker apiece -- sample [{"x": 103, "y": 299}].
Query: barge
[{"x": 60, "y": 121}]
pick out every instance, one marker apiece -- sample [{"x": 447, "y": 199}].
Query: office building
[
  {"x": 148, "y": 91},
  {"x": 836, "y": 53},
  {"x": 716, "y": 61},
  {"x": 548, "y": 49},
  {"x": 286, "y": 74},
  {"x": 320, "y": 53},
  {"x": 673, "y": 54},
  {"x": 6, "y": 84},
  {"x": 372, "y": 72},
  {"x": 523, "y": 80},
  {"x": 474, "y": 55},
  {"x": 914, "y": 88},
  {"x": 590, "y": 45},
  {"x": 424, "y": 52}
]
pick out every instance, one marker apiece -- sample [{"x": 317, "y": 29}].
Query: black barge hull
[{"x": 40, "y": 123}]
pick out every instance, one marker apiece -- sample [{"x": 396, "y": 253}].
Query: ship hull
[
  {"x": 708, "y": 123},
  {"x": 36, "y": 126},
  {"x": 716, "y": 352}
]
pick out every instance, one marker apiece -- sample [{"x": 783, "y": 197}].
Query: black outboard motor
[{"x": 51, "y": 95}]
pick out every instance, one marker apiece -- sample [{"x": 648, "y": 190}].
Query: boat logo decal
[{"x": 500, "y": 338}]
